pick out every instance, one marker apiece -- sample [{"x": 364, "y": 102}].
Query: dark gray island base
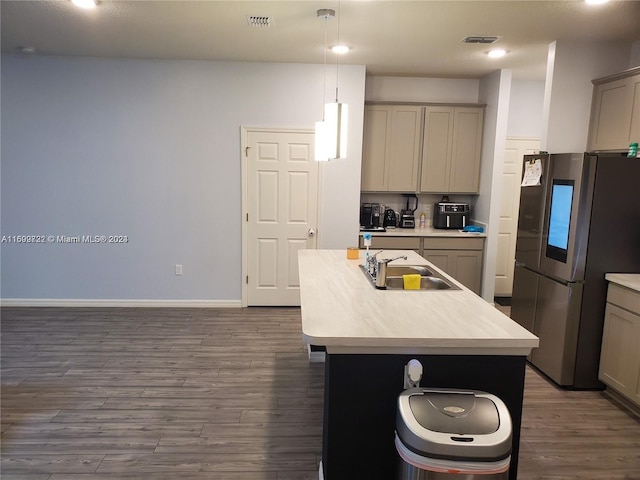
[
  {"x": 361, "y": 392},
  {"x": 462, "y": 342}
]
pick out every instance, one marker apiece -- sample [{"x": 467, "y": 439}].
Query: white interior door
[
  {"x": 516, "y": 148},
  {"x": 281, "y": 213}
]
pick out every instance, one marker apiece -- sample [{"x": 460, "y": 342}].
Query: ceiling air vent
[
  {"x": 480, "y": 39},
  {"x": 259, "y": 21}
]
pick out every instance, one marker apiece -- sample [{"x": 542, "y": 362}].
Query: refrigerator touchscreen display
[{"x": 560, "y": 219}]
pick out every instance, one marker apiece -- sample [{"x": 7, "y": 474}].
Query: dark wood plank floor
[{"x": 225, "y": 394}]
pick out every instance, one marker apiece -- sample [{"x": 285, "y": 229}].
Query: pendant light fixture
[
  {"x": 331, "y": 133},
  {"x": 321, "y": 140},
  {"x": 336, "y": 115}
]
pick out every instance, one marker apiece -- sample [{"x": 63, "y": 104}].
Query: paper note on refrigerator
[{"x": 532, "y": 173}]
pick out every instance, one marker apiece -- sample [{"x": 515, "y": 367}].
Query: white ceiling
[{"x": 410, "y": 38}]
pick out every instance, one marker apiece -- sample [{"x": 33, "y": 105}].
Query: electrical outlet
[{"x": 178, "y": 269}]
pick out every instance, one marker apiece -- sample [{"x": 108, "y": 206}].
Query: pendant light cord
[
  {"x": 337, "y": 55},
  {"x": 324, "y": 69}
]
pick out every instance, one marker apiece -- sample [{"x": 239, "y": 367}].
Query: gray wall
[
  {"x": 414, "y": 89},
  {"x": 151, "y": 150},
  {"x": 525, "y": 108},
  {"x": 568, "y": 90}
]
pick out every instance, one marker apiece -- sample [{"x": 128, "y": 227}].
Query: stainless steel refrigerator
[{"x": 579, "y": 219}]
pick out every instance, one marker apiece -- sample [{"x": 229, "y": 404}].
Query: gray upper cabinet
[
  {"x": 615, "y": 112},
  {"x": 451, "y": 149},
  {"x": 391, "y": 150},
  {"x": 375, "y": 148},
  {"x": 436, "y": 149}
]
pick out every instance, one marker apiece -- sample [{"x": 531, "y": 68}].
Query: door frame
[
  {"x": 244, "y": 166},
  {"x": 510, "y": 141}
]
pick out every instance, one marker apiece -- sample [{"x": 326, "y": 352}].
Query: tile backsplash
[{"x": 425, "y": 202}]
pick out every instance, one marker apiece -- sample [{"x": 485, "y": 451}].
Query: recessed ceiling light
[
  {"x": 340, "y": 49},
  {"x": 496, "y": 53},
  {"x": 85, "y": 3},
  {"x": 595, "y": 2}
]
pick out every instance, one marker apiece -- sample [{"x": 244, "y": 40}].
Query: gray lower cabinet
[
  {"x": 459, "y": 257},
  {"x": 620, "y": 355}
]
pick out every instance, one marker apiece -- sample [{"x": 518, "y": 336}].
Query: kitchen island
[{"x": 369, "y": 335}]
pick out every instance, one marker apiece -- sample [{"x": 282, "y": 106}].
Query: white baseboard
[{"x": 94, "y": 303}]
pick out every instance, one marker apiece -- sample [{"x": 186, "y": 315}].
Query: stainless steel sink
[
  {"x": 429, "y": 280},
  {"x": 426, "y": 283},
  {"x": 399, "y": 270}
]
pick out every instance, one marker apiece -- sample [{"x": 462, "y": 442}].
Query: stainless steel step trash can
[{"x": 446, "y": 434}]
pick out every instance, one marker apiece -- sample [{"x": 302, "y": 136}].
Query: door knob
[{"x": 311, "y": 232}]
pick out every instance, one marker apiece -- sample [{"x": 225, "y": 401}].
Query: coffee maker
[
  {"x": 407, "y": 219},
  {"x": 370, "y": 215}
]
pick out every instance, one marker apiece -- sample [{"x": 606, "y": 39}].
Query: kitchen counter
[
  {"x": 344, "y": 312},
  {"x": 629, "y": 280},
  {"x": 424, "y": 232},
  {"x": 370, "y": 335}
]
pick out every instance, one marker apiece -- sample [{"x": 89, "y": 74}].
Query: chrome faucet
[
  {"x": 381, "y": 270},
  {"x": 372, "y": 265}
]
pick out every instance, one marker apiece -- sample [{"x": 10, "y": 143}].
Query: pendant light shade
[
  {"x": 336, "y": 119},
  {"x": 322, "y": 152}
]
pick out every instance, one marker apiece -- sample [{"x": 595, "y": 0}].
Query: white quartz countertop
[
  {"x": 423, "y": 232},
  {"x": 629, "y": 280},
  {"x": 342, "y": 311}
]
